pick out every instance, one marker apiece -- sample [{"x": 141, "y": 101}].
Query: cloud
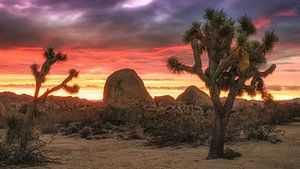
[
  {"x": 287, "y": 12},
  {"x": 262, "y": 22},
  {"x": 170, "y": 88},
  {"x": 102, "y": 36},
  {"x": 281, "y": 88},
  {"x": 291, "y": 70}
]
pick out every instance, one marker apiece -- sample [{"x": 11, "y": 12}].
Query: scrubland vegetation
[{"x": 159, "y": 126}]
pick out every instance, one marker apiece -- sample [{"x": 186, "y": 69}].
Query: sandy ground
[{"x": 75, "y": 153}]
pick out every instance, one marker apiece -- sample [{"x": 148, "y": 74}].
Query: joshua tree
[
  {"x": 234, "y": 63},
  {"x": 51, "y": 57}
]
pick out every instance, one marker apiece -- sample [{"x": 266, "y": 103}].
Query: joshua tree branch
[
  {"x": 176, "y": 66},
  {"x": 267, "y": 71},
  {"x": 262, "y": 74},
  {"x": 234, "y": 90},
  {"x": 63, "y": 84},
  {"x": 223, "y": 65},
  {"x": 252, "y": 84},
  {"x": 197, "y": 58}
]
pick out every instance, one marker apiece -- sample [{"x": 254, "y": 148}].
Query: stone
[
  {"x": 165, "y": 100},
  {"x": 125, "y": 88},
  {"x": 194, "y": 96},
  {"x": 230, "y": 154}
]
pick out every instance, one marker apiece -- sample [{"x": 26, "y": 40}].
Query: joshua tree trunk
[
  {"x": 26, "y": 132},
  {"x": 217, "y": 142}
]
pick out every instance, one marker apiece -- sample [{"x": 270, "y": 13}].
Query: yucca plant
[
  {"x": 233, "y": 59},
  {"x": 51, "y": 57},
  {"x": 14, "y": 123}
]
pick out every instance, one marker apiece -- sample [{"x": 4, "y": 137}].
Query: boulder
[
  {"x": 194, "y": 96},
  {"x": 124, "y": 88},
  {"x": 164, "y": 100},
  {"x": 230, "y": 154}
]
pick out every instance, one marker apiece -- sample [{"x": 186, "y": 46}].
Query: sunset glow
[{"x": 102, "y": 37}]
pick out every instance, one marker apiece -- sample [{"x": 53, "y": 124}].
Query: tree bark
[
  {"x": 27, "y": 127},
  {"x": 216, "y": 149}
]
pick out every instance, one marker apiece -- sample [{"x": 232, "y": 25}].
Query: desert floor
[{"x": 74, "y": 153}]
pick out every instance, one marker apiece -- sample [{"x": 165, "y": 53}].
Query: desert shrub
[
  {"x": 254, "y": 122},
  {"x": 48, "y": 128},
  {"x": 10, "y": 146},
  {"x": 121, "y": 116},
  {"x": 52, "y": 123},
  {"x": 274, "y": 113},
  {"x": 14, "y": 123},
  {"x": 264, "y": 132},
  {"x": 85, "y": 132},
  {"x": 176, "y": 124},
  {"x": 35, "y": 154}
]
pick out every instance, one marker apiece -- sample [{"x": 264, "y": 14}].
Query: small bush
[
  {"x": 121, "y": 116},
  {"x": 176, "y": 124},
  {"x": 265, "y": 132},
  {"x": 10, "y": 154},
  {"x": 255, "y": 122},
  {"x": 85, "y": 132},
  {"x": 14, "y": 122}
]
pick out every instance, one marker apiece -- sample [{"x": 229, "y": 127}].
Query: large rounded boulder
[
  {"x": 124, "y": 88},
  {"x": 164, "y": 100},
  {"x": 194, "y": 96}
]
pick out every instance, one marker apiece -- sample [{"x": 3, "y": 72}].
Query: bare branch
[{"x": 72, "y": 74}]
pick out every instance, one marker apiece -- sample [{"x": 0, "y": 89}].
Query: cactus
[
  {"x": 233, "y": 59},
  {"x": 51, "y": 57}
]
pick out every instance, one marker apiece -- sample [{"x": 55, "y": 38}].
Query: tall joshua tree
[
  {"x": 234, "y": 64},
  {"x": 51, "y": 57}
]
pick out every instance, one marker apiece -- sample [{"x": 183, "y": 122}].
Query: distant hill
[{"x": 54, "y": 104}]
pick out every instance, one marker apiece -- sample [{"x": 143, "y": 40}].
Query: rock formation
[
  {"x": 124, "y": 88},
  {"x": 164, "y": 100},
  {"x": 194, "y": 96}
]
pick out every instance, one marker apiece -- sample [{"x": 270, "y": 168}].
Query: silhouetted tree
[
  {"x": 40, "y": 74},
  {"x": 233, "y": 60}
]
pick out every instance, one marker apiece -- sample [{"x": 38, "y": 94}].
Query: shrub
[
  {"x": 121, "y": 116},
  {"x": 85, "y": 132},
  {"x": 14, "y": 122},
  {"x": 264, "y": 132},
  {"x": 35, "y": 154},
  {"x": 176, "y": 124},
  {"x": 255, "y": 122},
  {"x": 10, "y": 147}
]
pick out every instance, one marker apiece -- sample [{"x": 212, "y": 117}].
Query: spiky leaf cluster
[
  {"x": 233, "y": 57},
  {"x": 174, "y": 65},
  {"x": 51, "y": 58}
]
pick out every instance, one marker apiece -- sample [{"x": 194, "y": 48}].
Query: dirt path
[{"x": 75, "y": 153}]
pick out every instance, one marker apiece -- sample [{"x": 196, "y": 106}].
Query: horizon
[{"x": 101, "y": 38}]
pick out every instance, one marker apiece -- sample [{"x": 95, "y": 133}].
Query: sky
[{"x": 102, "y": 36}]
